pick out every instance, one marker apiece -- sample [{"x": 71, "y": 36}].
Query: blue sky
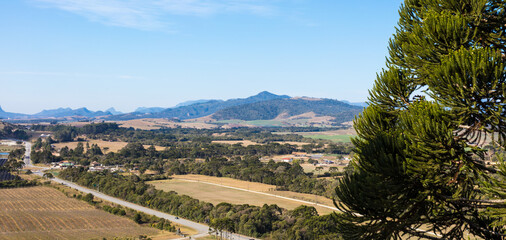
[{"x": 126, "y": 54}]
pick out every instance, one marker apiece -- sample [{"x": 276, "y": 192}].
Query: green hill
[{"x": 271, "y": 109}]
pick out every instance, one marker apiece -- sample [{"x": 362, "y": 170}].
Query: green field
[
  {"x": 260, "y": 123},
  {"x": 334, "y": 138}
]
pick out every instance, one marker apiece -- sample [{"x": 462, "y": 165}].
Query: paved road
[
  {"x": 201, "y": 228},
  {"x": 28, "y": 150}
]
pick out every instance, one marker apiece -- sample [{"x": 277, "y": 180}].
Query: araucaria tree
[{"x": 420, "y": 168}]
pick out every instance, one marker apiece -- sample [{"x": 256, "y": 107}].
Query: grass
[
  {"x": 5, "y": 148},
  {"x": 110, "y": 146},
  {"x": 259, "y": 123},
  {"x": 310, "y": 168},
  {"x": 334, "y": 138},
  {"x": 157, "y": 123},
  {"x": 197, "y": 186},
  {"x": 46, "y": 213},
  {"x": 243, "y": 142}
]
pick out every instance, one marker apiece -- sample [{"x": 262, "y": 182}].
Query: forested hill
[
  {"x": 284, "y": 108},
  {"x": 4, "y": 114},
  {"x": 66, "y": 112},
  {"x": 201, "y": 109}
]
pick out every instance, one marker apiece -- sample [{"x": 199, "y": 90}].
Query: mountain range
[
  {"x": 263, "y": 106},
  {"x": 199, "y": 109}
]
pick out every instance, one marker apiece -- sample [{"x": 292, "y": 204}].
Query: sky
[{"x": 157, "y": 53}]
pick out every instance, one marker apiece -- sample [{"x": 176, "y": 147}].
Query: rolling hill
[
  {"x": 200, "y": 109},
  {"x": 263, "y": 106},
  {"x": 67, "y": 112},
  {"x": 286, "y": 108},
  {"x": 7, "y": 115}
]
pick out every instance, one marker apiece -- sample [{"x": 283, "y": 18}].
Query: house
[
  {"x": 328, "y": 161},
  {"x": 95, "y": 164},
  {"x": 66, "y": 164},
  {"x": 299, "y": 154},
  {"x": 287, "y": 159}
]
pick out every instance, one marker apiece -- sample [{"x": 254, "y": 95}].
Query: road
[
  {"x": 200, "y": 228},
  {"x": 28, "y": 150}
]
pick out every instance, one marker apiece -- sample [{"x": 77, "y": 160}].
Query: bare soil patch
[{"x": 46, "y": 213}]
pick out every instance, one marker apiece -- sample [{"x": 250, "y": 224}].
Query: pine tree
[{"x": 419, "y": 162}]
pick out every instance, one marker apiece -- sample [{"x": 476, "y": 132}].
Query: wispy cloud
[
  {"x": 153, "y": 14},
  {"x": 65, "y": 74}
]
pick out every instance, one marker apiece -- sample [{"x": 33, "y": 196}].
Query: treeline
[
  {"x": 221, "y": 160},
  {"x": 64, "y": 133},
  {"x": 285, "y": 176},
  {"x": 12, "y": 131},
  {"x": 169, "y": 136},
  {"x": 18, "y": 182},
  {"x": 269, "y": 221}
]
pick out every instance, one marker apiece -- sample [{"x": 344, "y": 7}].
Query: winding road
[{"x": 203, "y": 230}]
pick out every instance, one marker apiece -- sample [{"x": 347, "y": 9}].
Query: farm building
[{"x": 63, "y": 164}]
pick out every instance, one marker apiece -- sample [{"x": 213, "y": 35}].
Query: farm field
[
  {"x": 8, "y": 148},
  {"x": 46, "y": 213},
  {"x": 310, "y": 168},
  {"x": 258, "y": 123},
  {"x": 342, "y": 135},
  {"x": 157, "y": 123},
  {"x": 248, "y": 142},
  {"x": 334, "y": 138},
  {"x": 271, "y": 123},
  {"x": 198, "y": 186},
  {"x": 231, "y": 142},
  {"x": 110, "y": 146}
]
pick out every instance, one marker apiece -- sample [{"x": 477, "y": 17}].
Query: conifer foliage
[{"x": 420, "y": 167}]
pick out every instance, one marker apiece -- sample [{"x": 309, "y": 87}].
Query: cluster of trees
[
  {"x": 42, "y": 151},
  {"x": 284, "y": 175},
  {"x": 11, "y": 131},
  {"x": 420, "y": 161},
  {"x": 18, "y": 182},
  {"x": 221, "y": 160},
  {"x": 64, "y": 133},
  {"x": 14, "y": 161},
  {"x": 270, "y": 222},
  {"x": 171, "y": 136}
]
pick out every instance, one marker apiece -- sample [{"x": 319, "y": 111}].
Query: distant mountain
[
  {"x": 271, "y": 109},
  {"x": 149, "y": 109},
  {"x": 113, "y": 111},
  {"x": 199, "y": 109},
  {"x": 6, "y": 115},
  {"x": 68, "y": 112},
  {"x": 263, "y": 106},
  {"x": 360, "y": 104},
  {"x": 191, "y": 102}
]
